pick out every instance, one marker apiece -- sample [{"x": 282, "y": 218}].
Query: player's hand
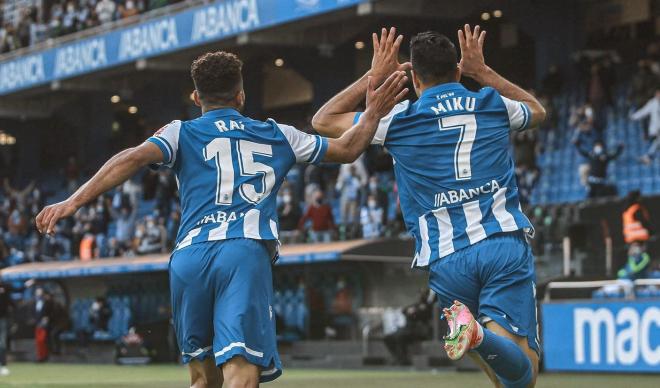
[
  {"x": 472, "y": 51},
  {"x": 386, "y": 55},
  {"x": 48, "y": 217},
  {"x": 381, "y": 101}
]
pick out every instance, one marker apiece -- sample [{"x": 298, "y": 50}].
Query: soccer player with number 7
[
  {"x": 229, "y": 169},
  {"x": 458, "y": 193}
]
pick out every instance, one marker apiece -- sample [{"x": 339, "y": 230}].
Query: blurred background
[{"x": 82, "y": 79}]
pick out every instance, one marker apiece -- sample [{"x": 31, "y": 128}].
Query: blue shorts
[
  {"x": 495, "y": 279},
  {"x": 222, "y": 296}
]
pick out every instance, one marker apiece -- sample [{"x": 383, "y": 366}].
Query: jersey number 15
[{"x": 220, "y": 149}]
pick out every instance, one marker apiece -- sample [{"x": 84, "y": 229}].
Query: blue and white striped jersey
[
  {"x": 454, "y": 167},
  {"x": 229, "y": 169}
]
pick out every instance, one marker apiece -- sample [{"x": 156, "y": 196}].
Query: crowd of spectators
[
  {"x": 142, "y": 216},
  {"x": 38, "y": 20}
]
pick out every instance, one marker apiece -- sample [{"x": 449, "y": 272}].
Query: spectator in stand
[
  {"x": 644, "y": 80},
  {"x": 125, "y": 224},
  {"x": 20, "y": 197},
  {"x": 43, "y": 309},
  {"x": 418, "y": 316},
  {"x": 9, "y": 39},
  {"x": 371, "y": 218},
  {"x": 651, "y": 110},
  {"x": 349, "y": 186},
  {"x": 582, "y": 120},
  {"x": 114, "y": 249},
  {"x": 552, "y": 82},
  {"x": 57, "y": 247},
  {"x": 88, "y": 247},
  {"x": 173, "y": 225},
  {"x": 599, "y": 158},
  {"x": 289, "y": 214},
  {"x": 99, "y": 315},
  {"x": 24, "y": 27},
  {"x": 343, "y": 317},
  {"x": 149, "y": 238},
  {"x": 526, "y": 178},
  {"x": 637, "y": 229},
  {"x": 127, "y": 9},
  {"x": 5, "y": 309},
  {"x": 105, "y": 10},
  {"x": 72, "y": 174},
  {"x": 17, "y": 227},
  {"x": 525, "y": 145},
  {"x": 320, "y": 214},
  {"x": 60, "y": 322},
  {"x": 69, "y": 18},
  {"x": 165, "y": 191}
]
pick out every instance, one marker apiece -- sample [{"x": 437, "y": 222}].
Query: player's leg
[
  {"x": 504, "y": 267},
  {"x": 244, "y": 341},
  {"x": 522, "y": 343},
  {"x": 486, "y": 368},
  {"x": 509, "y": 341},
  {"x": 192, "y": 313},
  {"x": 239, "y": 373},
  {"x": 204, "y": 374}
]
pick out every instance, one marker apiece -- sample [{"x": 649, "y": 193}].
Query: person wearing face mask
[
  {"x": 650, "y": 110},
  {"x": 323, "y": 223},
  {"x": 151, "y": 239},
  {"x": 599, "y": 158},
  {"x": 105, "y": 10},
  {"x": 371, "y": 218},
  {"x": 289, "y": 213},
  {"x": 128, "y": 9}
]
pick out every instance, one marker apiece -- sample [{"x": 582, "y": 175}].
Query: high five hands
[
  {"x": 385, "y": 60},
  {"x": 472, "y": 51}
]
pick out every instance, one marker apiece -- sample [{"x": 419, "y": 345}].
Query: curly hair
[{"x": 217, "y": 76}]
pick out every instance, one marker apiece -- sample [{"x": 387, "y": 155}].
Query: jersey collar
[
  {"x": 438, "y": 89},
  {"x": 222, "y": 112}
]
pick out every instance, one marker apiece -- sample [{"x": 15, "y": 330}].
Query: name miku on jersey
[{"x": 454, "y": 168}]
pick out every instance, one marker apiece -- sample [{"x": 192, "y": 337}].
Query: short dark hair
[
  {"x": 433, "y": 57},
  {"x": 217, "y": 76}
]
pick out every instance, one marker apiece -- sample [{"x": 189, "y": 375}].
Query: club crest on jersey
[
  {"x": 454, "y": 196},
  {"x": 233, "y": 126}
]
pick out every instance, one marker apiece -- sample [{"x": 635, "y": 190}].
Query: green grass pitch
[{"x": 166, "y": 376}]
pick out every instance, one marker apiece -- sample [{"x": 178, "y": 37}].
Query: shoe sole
[{"x": 462, "y": 344}]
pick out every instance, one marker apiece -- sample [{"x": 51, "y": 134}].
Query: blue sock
[{"x": 509, "y": 362}]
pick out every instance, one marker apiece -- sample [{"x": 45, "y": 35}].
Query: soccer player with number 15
[{"x": 229, "y": 168}]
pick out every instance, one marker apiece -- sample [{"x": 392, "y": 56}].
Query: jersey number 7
[
  {"x": 220, "y": 149},
  {"x": 467, "y": 125}
]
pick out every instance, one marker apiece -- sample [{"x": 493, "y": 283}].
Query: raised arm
[
  {"x": 115, "y": 171},
  {"x": 349, "y": 146},
  {"x": 643, "y": 111},
  {"x": 336, "y": 116},
  {"x": 474, "y": 66}
]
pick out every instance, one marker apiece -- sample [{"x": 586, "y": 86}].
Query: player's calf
[
  {"x": 239, "y": 373},
  {"x": 204, "y": 374}
]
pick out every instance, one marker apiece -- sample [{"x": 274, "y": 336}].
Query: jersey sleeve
[
  {"x": 306, "y": 147},
  {"x": 519, "y": 114},
  {"x": 167, "y": 139},
  {"x": 385, "y": 123}
]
